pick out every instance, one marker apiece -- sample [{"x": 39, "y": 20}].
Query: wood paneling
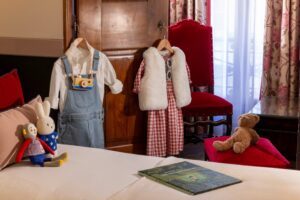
[
  {"x": 39, "y": 47},
  {"x": 125, "y": 124},
  {"x": 123, "y": 30},
  {"x": 128, "y": 27},
  {"x": 68, "y": 20},
  {"x": 282, "y": 132},
  {"x": 125, "y": 25},
  {"x": 89, "y": 21},
  {"x": 298, "y": 143},
  {"x": 132, "y": 24}
]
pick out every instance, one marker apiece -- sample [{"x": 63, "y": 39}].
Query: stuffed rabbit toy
[
  {"x": 45, "y": 126},
  {"x": 35, "y": 148}
]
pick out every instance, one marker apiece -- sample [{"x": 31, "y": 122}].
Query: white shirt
[{"x": 81, "y": 59}]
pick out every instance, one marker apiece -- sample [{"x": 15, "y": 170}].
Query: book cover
[{"x": 189, "y": 178}]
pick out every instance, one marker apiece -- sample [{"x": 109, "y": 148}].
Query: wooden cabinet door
[{"x": 123, "y": 30}]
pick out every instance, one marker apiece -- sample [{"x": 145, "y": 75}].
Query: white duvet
[
  {"x": 88, "y": 174},
  {"x": 102, "y": 174}
]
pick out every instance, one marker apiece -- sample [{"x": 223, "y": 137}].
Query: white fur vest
[{"x": 153, "y": 88}]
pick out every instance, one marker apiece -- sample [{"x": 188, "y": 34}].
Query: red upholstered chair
[
  {"x": 263, "y": 154},
  {"x": 196, "y": 42},
  {"x": 11, "y": 94}
]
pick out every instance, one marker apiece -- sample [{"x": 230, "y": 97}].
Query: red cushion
[
  {"x": 207, "y": 104},
  {"x": 11, "y": 94},
  {"x": 263, "y": 153}
]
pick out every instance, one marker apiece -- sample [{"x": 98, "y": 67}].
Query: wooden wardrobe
[{"x": 122, "y": 30}]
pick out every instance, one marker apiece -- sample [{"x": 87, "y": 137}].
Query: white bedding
[
  {"x": 102, "y": 174},
  {"x": 88, "y": 174},
  {"x": 257, "y": 184}
]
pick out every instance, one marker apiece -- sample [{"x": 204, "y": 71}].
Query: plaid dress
[{"x": 165, "y": 127}]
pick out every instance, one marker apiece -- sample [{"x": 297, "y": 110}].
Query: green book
[{"x": 189, "y": 178}]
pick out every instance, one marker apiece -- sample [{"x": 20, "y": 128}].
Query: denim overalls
[{"x": 81, "y": 121}]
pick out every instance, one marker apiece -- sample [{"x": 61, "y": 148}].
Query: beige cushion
[{"x": 11, "y": 122}]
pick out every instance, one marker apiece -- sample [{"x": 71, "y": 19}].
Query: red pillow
[
  {"x": 11, "y": 94},
  {"x": 263, "y": 154}
]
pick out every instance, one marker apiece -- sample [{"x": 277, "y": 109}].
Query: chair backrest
[{"x": 196, "y": 42}]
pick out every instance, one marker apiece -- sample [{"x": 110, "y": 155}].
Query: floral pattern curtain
[
  {"x": 281, "y": 49},
  {"x": 198, "y": 10}
]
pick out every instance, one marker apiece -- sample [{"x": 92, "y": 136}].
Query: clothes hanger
[
  {"x": 165, "y": 44},
  {"x": 82, "y": 43}
]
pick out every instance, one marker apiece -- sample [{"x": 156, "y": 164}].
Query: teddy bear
[
  {"x": 244, "y": 135},
  {"x": 45, "y": 126},
  {"x": 35, "y": 149}
]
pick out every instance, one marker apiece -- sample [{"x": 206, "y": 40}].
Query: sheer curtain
[{"x": 238, "y": 32}]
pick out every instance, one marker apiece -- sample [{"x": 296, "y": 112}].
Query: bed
[{"x": 102, "y": 174}]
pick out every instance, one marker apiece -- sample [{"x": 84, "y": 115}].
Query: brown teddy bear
[{"x": 243, "y": 136}]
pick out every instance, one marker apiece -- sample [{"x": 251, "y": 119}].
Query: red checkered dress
[{"x": 165, "y": 127}]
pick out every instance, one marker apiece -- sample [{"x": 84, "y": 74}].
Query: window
[{"x": 238, "y": 32}]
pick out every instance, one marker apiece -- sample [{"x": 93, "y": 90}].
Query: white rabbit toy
[
  {"x": 45, "y": 126},
  {"x": 35, "y": 149}
]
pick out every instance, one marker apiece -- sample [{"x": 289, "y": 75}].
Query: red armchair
[{"x": 196, "y": 42}]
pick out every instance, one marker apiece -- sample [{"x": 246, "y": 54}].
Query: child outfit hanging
[
  {"x": 163, "y": 86},
  {"x": 77, "y": 88}
]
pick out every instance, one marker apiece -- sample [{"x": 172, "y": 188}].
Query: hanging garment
[
  {"x": 165, "y": 135},
  {"x": 80, "y": 121},
  {"x": 81, "y": 61},
  {"x": 153, "y": 92}
]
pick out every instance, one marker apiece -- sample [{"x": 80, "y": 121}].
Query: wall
[
  {"x": 31, "y": 39},
  {"x": 31, "y": 27},
  {"x": 31, "y": 19}
]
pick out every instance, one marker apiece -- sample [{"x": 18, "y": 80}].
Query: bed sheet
[
  {"x": 102, "y": 174},
  {"x": 258, "y": 183},
  {"x": 88, "y": 174}
]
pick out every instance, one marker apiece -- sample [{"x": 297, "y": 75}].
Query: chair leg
[
  {"x": 205, "y": 156},
  {"x": 196, "y": 136},
  {"x": 210, "y": 127},
  {"x": 191, "y": 131},
  {"x": 229, "y": 125}
]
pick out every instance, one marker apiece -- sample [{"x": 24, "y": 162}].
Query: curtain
[
  {"x": 281, "y": 49},
  {"x": 238, "y": 30},
  {"x": 198, "y": 10}
]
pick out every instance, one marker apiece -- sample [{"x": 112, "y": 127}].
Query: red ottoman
[{"x": 263, "y": 154}]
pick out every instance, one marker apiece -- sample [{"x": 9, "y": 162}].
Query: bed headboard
[{"x": 34, "y": 73}]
